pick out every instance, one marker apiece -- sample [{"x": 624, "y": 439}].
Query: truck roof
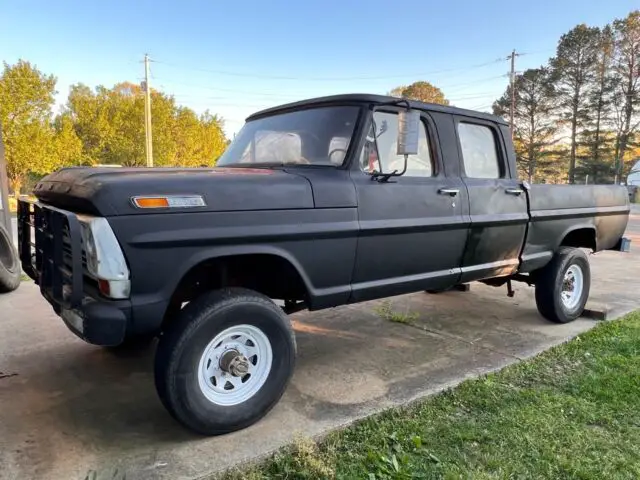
[{"x": 371, "y": 98}]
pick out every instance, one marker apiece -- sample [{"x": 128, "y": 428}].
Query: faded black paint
[{"x": 349, "y": 238}]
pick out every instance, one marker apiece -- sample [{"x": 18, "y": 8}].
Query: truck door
[
  {"x": 497, "y": 202},
  {"x": 412, "y": 230}
]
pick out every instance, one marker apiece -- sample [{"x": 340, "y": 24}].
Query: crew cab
[{"x": 315, "y": 204}]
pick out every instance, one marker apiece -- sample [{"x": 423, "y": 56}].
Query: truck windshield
[{"x": 315, "y": 136}]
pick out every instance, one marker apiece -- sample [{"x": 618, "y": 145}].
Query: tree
[
  {"x": 213, "y": 137},
  {"x": 595, "y": 146},
  {"x": 110, "y": 124},
  {"x": 421, "y": 91},
  {"x": 535, "y": 125},
  {"x": 397, "y": 92},
  {"x": 66, "y": 147},
  {"x": 573, "y": 71},
  {"x": 26, "y": 98},
  {"x": 626, "y": 99}
]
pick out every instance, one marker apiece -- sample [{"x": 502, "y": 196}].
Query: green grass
[
  {"x": 572, "y": 412},
  {"x": 386, "y": 312}
]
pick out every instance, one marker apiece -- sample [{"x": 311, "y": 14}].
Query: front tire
[
  {"x": 225, "y": 361},
  {"x": 562, "y": 286}
]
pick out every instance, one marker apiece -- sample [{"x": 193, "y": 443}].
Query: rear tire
[
  {"x": 201, "y": 356},
  {"x": 562, "y": 286},
  {"x": 9, "y": 265}
]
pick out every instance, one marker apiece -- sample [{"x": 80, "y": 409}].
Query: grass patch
[
  {"x": 571, "y": 412},
  {"x": 386, "y": 312}
]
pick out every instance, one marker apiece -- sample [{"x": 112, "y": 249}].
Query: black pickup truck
[{"x": 315, "y": 204}]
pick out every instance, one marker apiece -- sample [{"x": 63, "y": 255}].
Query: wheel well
[
  {"x": 580, "y": 238},
  {"x": 271, "y": 275}
]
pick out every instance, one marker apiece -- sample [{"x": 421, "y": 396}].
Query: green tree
[
  {"x": 573, "y": 72},
  {"x": 110, "y": 124},
  {"x": 26, "y": 99},
  {"x": 595, "y": 146},
  {"x": 421, "y": 91},
  {"x": 66, "y": 147},
  {"x": 535, "y": 126},
  {"x": 626, "y": 99}
]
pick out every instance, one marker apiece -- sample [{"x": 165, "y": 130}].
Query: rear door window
[{"x": 479, "y": 150}]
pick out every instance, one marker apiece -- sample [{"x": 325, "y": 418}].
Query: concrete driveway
[{"x": 68, "y": 408}]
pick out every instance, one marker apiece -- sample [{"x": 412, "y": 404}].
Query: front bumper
[
  {"x": 97, "y": 322},
  {"x": 53, "y": 258}
]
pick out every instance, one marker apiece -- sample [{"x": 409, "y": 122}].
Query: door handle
[
  {"x": 513, "y": 191},
  {"x": 452, "y": 192}
]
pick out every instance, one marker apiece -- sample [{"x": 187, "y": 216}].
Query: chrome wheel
[
  {"x": 235, "y": 365},
  {"x": 572, "y": 287}
]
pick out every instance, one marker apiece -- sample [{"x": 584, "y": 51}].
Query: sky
[{"x": 234, "y": 58}]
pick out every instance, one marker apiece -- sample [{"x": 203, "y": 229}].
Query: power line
[
  {"x": 324, "y": 79},
  {"x": 472, "y": 83},
  {"x": 231, "y": 90}
]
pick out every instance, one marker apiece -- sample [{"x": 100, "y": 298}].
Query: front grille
[
  {"x": 51, "y": 252},
  {"x": 66, "y": 246}
]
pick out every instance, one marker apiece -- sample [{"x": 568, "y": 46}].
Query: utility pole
[
  {"x": 512, "y": 79},
  {"x": 147, "y": 113}
]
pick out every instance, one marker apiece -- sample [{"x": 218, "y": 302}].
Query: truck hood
[{"x": 108, "y": 191}]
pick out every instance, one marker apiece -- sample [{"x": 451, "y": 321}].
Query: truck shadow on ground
[
  {"x": 348, "y": 359},
  {"x": 351, "y": 363}
]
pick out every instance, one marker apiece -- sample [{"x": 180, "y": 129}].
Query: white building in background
[{"x": 634, "y": 176}]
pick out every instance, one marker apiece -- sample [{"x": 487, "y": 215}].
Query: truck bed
[{"x": 595, "y": 213}]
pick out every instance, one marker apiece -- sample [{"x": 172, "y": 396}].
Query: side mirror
[{"x": 408, "y": 132}]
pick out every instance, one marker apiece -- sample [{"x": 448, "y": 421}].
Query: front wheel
[
  {"x": 225, "y": 361},
  {"x": 562, "y": 286}
]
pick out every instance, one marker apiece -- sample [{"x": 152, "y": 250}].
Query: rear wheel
[
  {"x": 225, "y": 361},
  {"x": 562, "y": 286},
  {"x": 9, "y": 265}
]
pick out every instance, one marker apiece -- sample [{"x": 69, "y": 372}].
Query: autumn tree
[
  {"x": 397, "y": 92},
  {"x": 573, "y": 71},
  {"x": 535, "y": 125},
  {"x": 26, "y": 98},
  {"x": 626, "y": 99},
  {"x": 421, "y": 91}
]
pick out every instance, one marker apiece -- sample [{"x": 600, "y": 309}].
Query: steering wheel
[{"x": 335, "y": 150}]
